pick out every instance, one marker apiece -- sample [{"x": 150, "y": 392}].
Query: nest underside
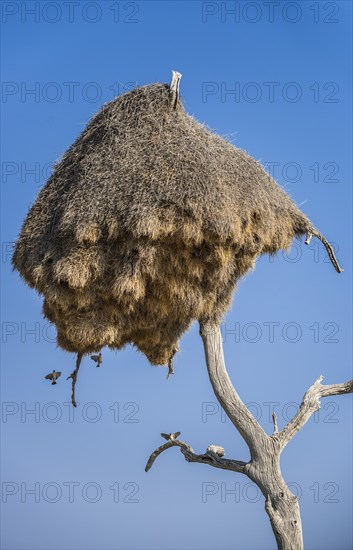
[{"x": 147, "y": 224}]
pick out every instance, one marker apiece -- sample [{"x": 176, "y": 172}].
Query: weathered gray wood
[
  {"x": 281, "y": 505},
  {"x": 174, "y": 88},
  {"x": 74, "y": 375},
  {"x": 263, "y": 468},
  {"x": 210, "y": 457},
  {"x": 310, "y": 404},
  {"x": 329, "y": 249},
  {"x": 228, "y": 398}
]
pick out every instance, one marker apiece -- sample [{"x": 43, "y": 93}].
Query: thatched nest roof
[{"x": 146, "y": 224}]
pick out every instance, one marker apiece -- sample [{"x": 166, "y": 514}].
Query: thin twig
[
  {"x": 170, "y": 368},
  {"x": 73, "y": 375},
  {"x": 171, "y": 362},
  {"x": 329, "y": 248}
]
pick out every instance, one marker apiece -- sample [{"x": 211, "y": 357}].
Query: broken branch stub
[{"x": 174, "y": 88}]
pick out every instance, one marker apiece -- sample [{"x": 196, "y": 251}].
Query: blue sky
[{"x": 276, "y": 80}]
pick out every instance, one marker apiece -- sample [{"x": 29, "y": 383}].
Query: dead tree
[
  {"x": 150, "y": 215},
  {"x": 263, "y": 467}
]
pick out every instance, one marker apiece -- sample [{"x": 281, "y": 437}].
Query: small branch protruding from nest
[
  {"x": 73, "y": 375},
  {"x": 211, "y": 457},
  {"x": 170, "y": 368},
  {"x": 310, "y": 404},
  {"x": 275, "y": 423},
  {"x": 174, "y": 88},
  {"x": 329, "y": 248},
  {"x": 170, "y": 363}
]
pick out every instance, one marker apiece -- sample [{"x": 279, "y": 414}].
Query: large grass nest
[{"x": 146, "y": 224}]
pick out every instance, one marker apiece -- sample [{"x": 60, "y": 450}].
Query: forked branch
[{"x": 310, "y": 404}]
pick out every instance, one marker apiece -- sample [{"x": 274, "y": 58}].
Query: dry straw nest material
[{"x": 146, "y": 224}]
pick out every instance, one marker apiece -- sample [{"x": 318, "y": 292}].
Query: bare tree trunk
[
  {"x": 263, "y": 468},
  {"x": 281, "y": 505}
]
